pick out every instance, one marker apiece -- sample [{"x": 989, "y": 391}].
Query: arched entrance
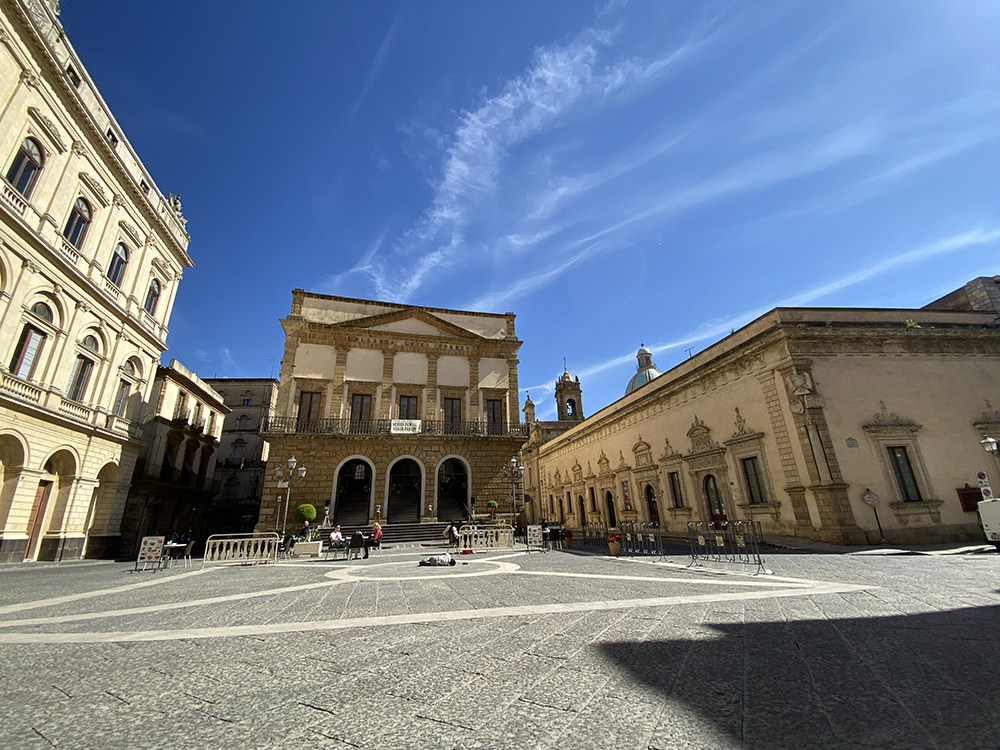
[
  {"x": 581, "y": 510},
  {"x": 48, "y": 509},
  {"x": 98, "y": 515},
  {"x": 353, "y": 493},
  {"x": 453, "y": 490},
  {"x": 610, "y": 501},
  {"x": 405, "y": 482},
  {"x": 716, "y": 505},
  {"x": 11, "y": 464},
  {"x": 654, "y": 511}
]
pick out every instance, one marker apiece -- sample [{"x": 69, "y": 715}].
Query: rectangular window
[
  {"x": 309, "y": 405},
  {"x": 452, "y": 414},
  {"x": 23, "y": 363},
  {"x": 494, "y": 416},
  {"x": 755, "y": 482},
  {"x": 78, "y": 382},
  {"x": 361, "y": 408},
  {"x": 407, "y": 407},
  {"x": 122, "y": 398},
  {"x": 675, "y": 489},
  {"x": 902, "y": 470}
]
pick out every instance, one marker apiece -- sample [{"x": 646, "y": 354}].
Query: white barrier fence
[
  {"x": 241, "y": 549},
  {"x": 489, "y": 537}
]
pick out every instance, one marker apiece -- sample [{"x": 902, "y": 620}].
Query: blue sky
[{"x": 613, "y": 173}]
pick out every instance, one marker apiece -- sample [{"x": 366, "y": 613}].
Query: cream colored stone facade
[
  {"x": 792, "y": 421},
  {"x": 90, "y": 257},
  {"x": 400, "y": 413}
]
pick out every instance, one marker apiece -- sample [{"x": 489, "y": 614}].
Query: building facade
[
  {"x": 91, "y": 253},
  {"x": 173, "y": 480},
  {"x": 841, "y": 425},
  {"x": 243, "y": 453},
  {"x": 400, "y": 414}
]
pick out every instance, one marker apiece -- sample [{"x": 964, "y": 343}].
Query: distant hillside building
[
  {"x": 243, "y": 453},
  {"x": 823, "y": 423},
  {"x": 91, "y": 253},
  {"x": 401, "y": 414}
]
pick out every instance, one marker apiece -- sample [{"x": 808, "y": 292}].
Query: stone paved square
[{"x": 516, "y": 650}]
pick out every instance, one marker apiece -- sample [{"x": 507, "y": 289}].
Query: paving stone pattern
[{"x": 560, "y": 649}]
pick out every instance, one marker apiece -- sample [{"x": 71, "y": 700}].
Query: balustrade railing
[
  {"x": 14, "y": 198},
  {"x": 486, "y": 537},
  {"x": 20, "y": 388},
  {"x": 293, "y": 425},
  {"x": 74, "y": 409}
]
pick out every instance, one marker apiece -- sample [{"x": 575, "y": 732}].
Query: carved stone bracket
[{"x": 96, "y": 188}]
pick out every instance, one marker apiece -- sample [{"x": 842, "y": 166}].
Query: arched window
[
  {"x": 248, "y": 398},
  {"x": 89, "y": 342},
  {"x": 654, "y": 511},
  {"x": 238, "y": 447},
  {"x": 152, "y": 297},
  {"x": 42, "y": 311},
  {"x": 243, "y": 423},
  {"x": 24, "y": 169},
  {"x": 118, "y": 262},
  {"x": 232, "y": 488},
  {"x": 79, "y": 220}
]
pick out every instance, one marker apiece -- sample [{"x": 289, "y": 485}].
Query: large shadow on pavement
[{"x": 913, "y": 681}]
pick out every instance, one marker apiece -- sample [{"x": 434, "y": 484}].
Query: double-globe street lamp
[
  {"x": 513, "y": 470},
  {"x": 293, "y": 476}
]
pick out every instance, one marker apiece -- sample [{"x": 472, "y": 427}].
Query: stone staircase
[{"x": 396, "y": 533}]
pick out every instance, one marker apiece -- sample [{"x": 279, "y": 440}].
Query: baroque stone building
[
  {"x": 401, "y": 414},
  {"x": 841, "y": 425},
  {"x": 91, "y": 253},
  {"x": 243, "y": 453},
  {"x": 174, "y": 476}
]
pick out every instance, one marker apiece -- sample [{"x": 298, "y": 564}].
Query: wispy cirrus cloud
[
  {"x": 967, "y": 240},
  {"x": 559, "y": 79}
]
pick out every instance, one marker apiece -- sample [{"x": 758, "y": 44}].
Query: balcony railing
[
  {"x": 75, "y": 409},
  {"x": 14, "y": 198},
  {"x": 20, "y": 388},
  {"x": 292, "y": 425}
]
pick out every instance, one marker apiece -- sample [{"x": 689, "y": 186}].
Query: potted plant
[
  {"x": 615, "y": 544},
  {"x": 492, "y": 505}
]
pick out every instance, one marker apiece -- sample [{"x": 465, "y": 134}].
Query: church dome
[{"x": 645, "y": 370}]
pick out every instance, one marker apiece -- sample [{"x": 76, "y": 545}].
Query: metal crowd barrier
[
  {"x": 641, "y": 539},
  {"x": 487, "y": 537},
  {"x": 726, "y": 541},
  {"x": 243, "y": 549},
  {"x": 593, "y": 536}
]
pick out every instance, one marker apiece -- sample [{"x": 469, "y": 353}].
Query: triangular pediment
[{"x": 414, "y": 322}]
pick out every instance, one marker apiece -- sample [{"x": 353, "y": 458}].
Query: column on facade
[
  {"x": 475, "y": 407},
  {"x": 338, "y": 386},
  {"x": 513, "y": 400},
  {"x": 431, "y": 392},
  {"x": 386, "y": 394}
]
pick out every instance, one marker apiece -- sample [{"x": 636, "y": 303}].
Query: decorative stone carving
[
  {"x": 668, "y": 450},
  {"x": 800, "y": 383},
  {"x": 741, "y": 424},
  {"x": 700, "y": 437},
  {"x": 28, "y": 78},
  {"x": 886, "y": 421},
  {"x": 95, "y": 186},
  {"x": 50, "y": 128},
  {"x": 79, "y": 148}
]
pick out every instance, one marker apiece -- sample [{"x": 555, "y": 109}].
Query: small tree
[
  {"x": 492, "y": 505},
  {"x": 305, "y": 512}
]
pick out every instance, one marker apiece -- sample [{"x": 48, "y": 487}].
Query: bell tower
[{"x": 568, "y": 397}]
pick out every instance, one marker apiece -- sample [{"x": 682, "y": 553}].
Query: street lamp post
[
  {"x": 513, "y": 470},
  {"x": 293, "y": 476},
  {"x": 990, "y": 445}
]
